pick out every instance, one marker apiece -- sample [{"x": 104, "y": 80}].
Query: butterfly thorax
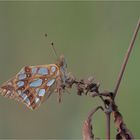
[{"x": 61, "y": 63}]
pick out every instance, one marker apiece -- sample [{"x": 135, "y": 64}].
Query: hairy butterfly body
[{"x": 34, "y": 84}]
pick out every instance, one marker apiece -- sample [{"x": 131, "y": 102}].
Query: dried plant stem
[
  {"x": 93, "y": 112},
  {"x": 87, "y": 127},
  {"x": 126, "y": 58},
  {"x": 131, "y": 46},
  {"x": 107, "y": 126}
]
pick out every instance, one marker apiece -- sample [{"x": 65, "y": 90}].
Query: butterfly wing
[{"x": 32, "y": 85}]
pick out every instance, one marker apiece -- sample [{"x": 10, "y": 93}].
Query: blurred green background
[{"x": 94, "y": 37}]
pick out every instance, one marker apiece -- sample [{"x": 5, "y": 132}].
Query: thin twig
[
  {"x": 126, "y": 58},
  {"x": 107, "y": 126}
]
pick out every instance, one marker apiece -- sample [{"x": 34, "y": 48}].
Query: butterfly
[{"x": 34, "y": 84}]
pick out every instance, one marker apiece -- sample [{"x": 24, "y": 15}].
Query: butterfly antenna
[
  {"x": 52, "y": 46},
  {"x": 54, "y": 50}
]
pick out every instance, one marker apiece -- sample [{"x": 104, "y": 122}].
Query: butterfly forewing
[{"x": 32, "y": 85}]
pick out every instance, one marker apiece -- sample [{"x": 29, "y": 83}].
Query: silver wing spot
[
  {"x": 19, "y": 92},
  {"x": 43, "y": 71},
  {"x": 20, "y": 83},
  {"x": 21, "y": 76},
  {"x": 41, "y": 92},
  {"x": 27, "y": 101},
  {"x": 50, "y": 82},
  {"x": 24, "y": 96},
  {"x": 37, "y": 100},
  {"x": 36, "y": 83},
  {"x": 53, "y": 69},
  {"x": 8, "y": 93},
  {"x": 34, "y": 70}
]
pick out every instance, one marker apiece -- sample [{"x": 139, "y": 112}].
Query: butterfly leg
[
  {"x": 59, "y": 90},
  {"x": 59, "y": 97}
]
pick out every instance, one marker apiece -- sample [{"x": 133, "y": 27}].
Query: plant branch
[{"x": 131, "y": 46}]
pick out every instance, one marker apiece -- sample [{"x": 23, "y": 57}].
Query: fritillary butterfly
[{"x": 34, "y": 84}]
